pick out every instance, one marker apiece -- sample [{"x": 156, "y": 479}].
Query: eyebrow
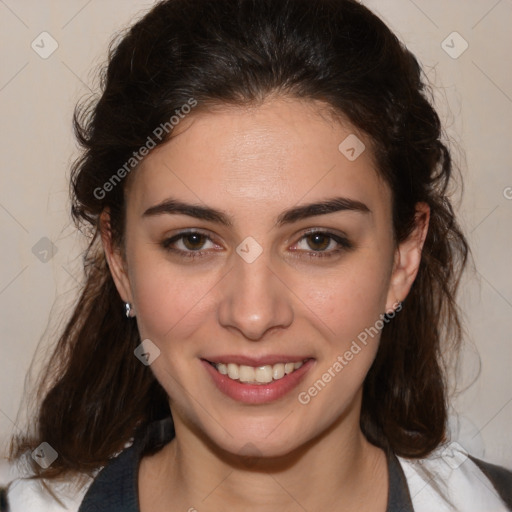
[{"x": 336, "y": 204}]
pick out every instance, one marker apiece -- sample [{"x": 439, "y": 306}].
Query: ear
[
  {"x": 407, "y": 258},
  {"x": 115, "y": 258}
]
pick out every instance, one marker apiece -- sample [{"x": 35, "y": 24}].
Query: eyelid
[
  {"x": 341, "y": 239},
  {"x": 344, "y": 244},
  {"x": 183, "y": 233},
  {"x": 324, "y": 231}
]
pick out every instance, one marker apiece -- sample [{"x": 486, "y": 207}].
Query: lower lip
[{"x": 258, "y": 393}]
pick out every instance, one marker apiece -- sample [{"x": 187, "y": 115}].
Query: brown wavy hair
[{"x": 95, "y": 395}]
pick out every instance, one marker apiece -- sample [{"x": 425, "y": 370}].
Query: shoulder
[
  {"x": 25, "y": 494},
  {"x": 451, "y": 479},
  {"x": 77, "y": 494},
  {"x": 115, "y": 487}
]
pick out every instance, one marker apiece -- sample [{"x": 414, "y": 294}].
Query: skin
[{"x": 254, "y": 163}]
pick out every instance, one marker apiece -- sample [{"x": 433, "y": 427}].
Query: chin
[{"x": 267, "y": 439}]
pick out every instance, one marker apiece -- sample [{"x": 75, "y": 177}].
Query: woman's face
[{"x": 236, "y": 275}]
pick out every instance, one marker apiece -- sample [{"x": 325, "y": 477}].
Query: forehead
[{"x": 266, "y": 156}]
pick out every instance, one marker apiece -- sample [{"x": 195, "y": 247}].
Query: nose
[{"x": 255, "y": 300}]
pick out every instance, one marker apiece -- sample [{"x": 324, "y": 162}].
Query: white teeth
[
  {"x": 288, "y": 368},
  {"x": 259, "y": 375},
  {"x": 233, "y": 371},
  {"x": 278, "y": 371},
  {"x": 245, "y": 373},
  {"x": 263, "y": 374}
]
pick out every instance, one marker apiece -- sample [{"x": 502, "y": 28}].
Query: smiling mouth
[{"x": 257, "y": 375}]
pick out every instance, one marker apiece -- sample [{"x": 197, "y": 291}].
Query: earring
[{"x": 129, "y": 311}]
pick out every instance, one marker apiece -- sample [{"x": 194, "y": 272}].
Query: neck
[{"x": 340, "y": 470}]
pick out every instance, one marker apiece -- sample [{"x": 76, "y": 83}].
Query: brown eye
[
  {"x": 318, "y": 241},
  {"x": 194, "y": 241},
  {"x": 189, "y": 244},
  {"x": 322, "y": 244}
]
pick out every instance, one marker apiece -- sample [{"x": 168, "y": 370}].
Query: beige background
[{"x": 474, "y": 96}]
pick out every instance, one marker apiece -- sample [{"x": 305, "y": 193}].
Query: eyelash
[
  {"x": 343, "y": 245},
  {"x": 166, "y": 244}
]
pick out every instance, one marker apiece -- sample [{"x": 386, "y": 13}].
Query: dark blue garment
[{"x": 115, "y": 489}]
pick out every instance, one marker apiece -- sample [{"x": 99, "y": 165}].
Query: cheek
[
  {"x": 348, "y": 300},
  {"x": 168, "y": 302},
  {"x": 350, "y": 306}
]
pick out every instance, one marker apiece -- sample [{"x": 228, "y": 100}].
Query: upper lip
[{"x": 255, "y": 361}]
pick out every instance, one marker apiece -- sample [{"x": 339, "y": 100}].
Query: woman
[{"x": 271, "y": 276}]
